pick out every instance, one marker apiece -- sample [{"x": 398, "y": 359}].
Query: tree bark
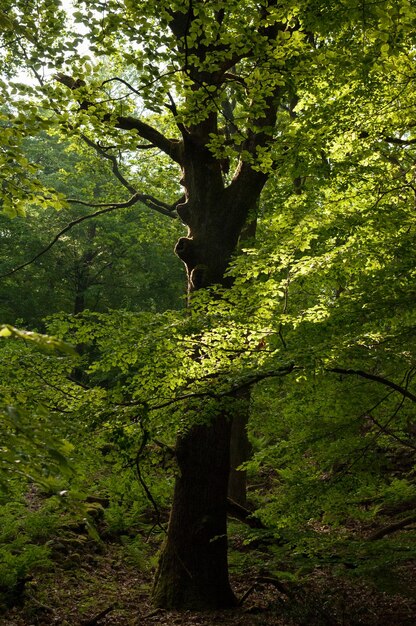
[
  {"x": 193, "y": 570},
  {"x": 240, "y": 447}
]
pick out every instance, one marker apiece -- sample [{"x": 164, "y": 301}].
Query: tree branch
[
  {"x": 364, "y": 134},
  {"x": 137, "y": 197},
  {"x": 378, "y": 379},
  {"x": 171, "y": 147},
  {"x": 148, "y": 200},
  {"x": 400, "y": 142},
  {"x": 145, "y": 86},
  {"x": 283, "y": 371},
  {"x": 390, "y": 433},
  {"x": 114, "y": 165}
]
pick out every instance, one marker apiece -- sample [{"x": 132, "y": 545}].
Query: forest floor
[{"x": 99, "y": 586}]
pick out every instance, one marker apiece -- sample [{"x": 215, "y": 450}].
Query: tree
[{"x": 234, "y": 78}]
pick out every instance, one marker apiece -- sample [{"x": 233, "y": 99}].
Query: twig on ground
[
  {"x": 97, "y": 618},
  {"x": 264, "y": 580}
]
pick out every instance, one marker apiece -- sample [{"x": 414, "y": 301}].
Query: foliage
[
  {"x": 117, "y": 260},
  {"x": 20, "y": 555}
]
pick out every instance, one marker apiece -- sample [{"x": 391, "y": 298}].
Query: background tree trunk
[
  {"x": 240, "y": 447},
  {"x": 240, "y": 451}
]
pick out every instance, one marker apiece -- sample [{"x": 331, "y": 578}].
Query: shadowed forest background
[{"x": 207, "y": 308}]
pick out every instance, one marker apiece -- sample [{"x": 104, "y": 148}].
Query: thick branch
[
  {"x": 245, "y": 176},
  {"x": 364, "y": 134},
  {"x": 400, "y": 142},
  {"x": 171, "y": 147}
]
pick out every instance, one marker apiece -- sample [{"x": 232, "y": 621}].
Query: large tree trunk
[{"x": 193, "y": 571}]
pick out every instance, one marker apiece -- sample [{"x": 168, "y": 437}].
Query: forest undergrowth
[{"x": 87, "y": 574}]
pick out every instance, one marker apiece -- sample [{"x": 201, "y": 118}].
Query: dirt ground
[{"x": 99, "y": 588}]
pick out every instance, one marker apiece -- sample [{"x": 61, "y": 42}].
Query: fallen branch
[
  {"x": 264, "y": 580},
  {"x": 391, "y": 528},
  {"x": 243, "y": 515},
  {"x": 97, "y": 618}
]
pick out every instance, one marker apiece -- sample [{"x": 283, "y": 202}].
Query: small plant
[
  {"x": 18, "y": 561},
  {"x": 21, "y": 555},
  {"x": 136, "y": 552}
]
